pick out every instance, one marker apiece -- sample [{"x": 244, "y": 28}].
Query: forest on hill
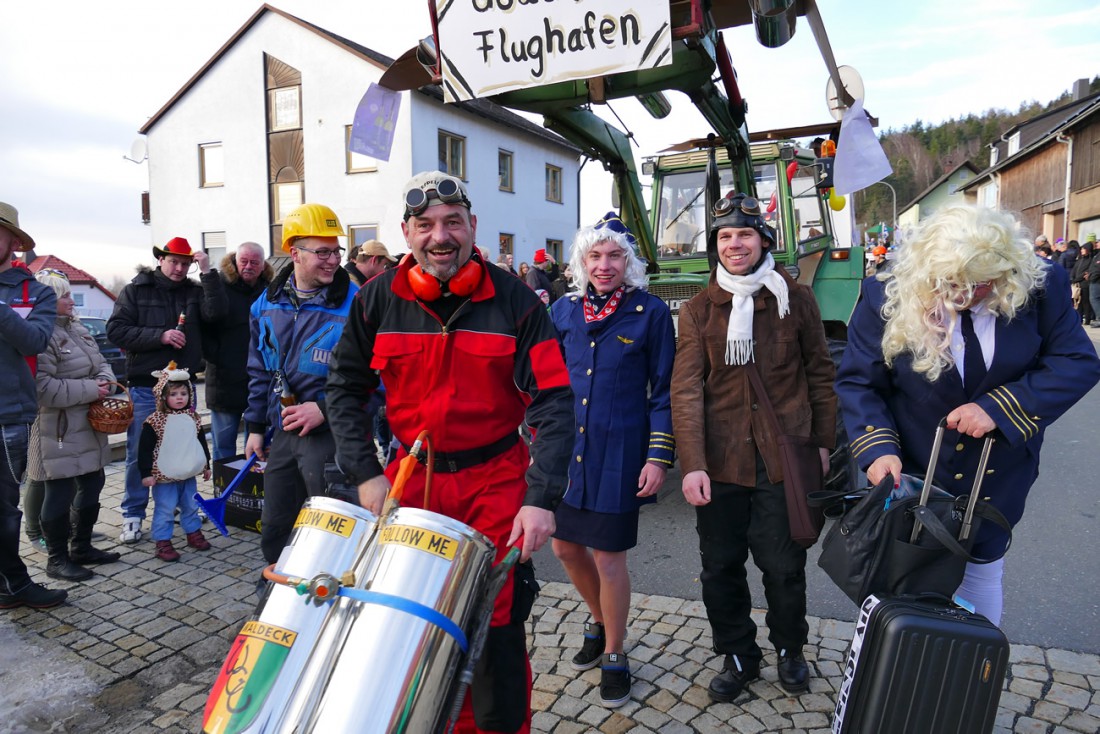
[{"x": 920, "y": 153}]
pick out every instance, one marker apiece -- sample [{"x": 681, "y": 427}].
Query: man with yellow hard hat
[{"x": 295, "y": 324}]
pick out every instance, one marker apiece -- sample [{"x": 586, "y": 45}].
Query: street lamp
[{"x": 893, "y": 194}]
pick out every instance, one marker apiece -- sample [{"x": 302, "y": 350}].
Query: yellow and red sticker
[{"x": 246, "y": 678}]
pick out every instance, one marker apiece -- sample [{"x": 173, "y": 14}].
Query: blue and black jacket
[{"x": 292, "y": 343}]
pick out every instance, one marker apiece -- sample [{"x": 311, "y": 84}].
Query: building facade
[{"x": 264, "y": 126}]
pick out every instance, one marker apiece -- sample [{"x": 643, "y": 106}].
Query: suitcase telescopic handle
[{"x": 926, "y": 489}]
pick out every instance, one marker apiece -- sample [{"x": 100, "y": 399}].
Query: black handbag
[{"x": 901, "y": 541}]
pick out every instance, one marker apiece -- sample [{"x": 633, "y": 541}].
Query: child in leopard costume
[{"x": 171, "y": 451}]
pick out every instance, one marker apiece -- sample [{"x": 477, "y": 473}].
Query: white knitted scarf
[{"x": 743, "y": 287}]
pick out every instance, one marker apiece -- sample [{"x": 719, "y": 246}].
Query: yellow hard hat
[{"x": 310, "y": 220}]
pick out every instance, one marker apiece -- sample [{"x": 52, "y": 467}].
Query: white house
[
  {"x": 263, "y": 126},
  {"x": 89, "y": 297}
]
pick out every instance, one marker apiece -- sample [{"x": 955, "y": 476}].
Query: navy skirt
[{"x": 611, "y": 532}]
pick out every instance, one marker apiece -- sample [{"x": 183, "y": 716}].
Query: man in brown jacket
[{"x": 750, "y": 312}]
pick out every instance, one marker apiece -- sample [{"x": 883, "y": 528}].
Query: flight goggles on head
[
  {"x": 445, "y": 190},
  {"x": 749, "y": 205}
]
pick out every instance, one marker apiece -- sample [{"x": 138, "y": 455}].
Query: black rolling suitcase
[{"x": 921, "y": 665}]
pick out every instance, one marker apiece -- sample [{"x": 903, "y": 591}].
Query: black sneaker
[
  {"x": 735, "y": 675},
  {"x": 34, "y": 596},
  {"x": 614, "y": 680},
  {"x": 794, "y": 674},
  {"x": 592, "y": 649}
]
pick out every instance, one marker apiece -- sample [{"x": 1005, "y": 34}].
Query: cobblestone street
[{"x": 138, "y": 646}]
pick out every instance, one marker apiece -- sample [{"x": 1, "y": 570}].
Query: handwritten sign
[{"x": 493, "y": 46}]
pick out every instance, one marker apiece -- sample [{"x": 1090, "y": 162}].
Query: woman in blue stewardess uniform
[
  {"x": 619, "y": 347},
  {"x": 970, "y": 325}
]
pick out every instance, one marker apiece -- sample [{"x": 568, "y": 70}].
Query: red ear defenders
[{"x": 463, "y": 283}]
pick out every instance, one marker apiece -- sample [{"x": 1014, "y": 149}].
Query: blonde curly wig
[{"x": 934, "y": 275}]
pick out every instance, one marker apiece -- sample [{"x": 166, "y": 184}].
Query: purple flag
[{"x": 375, "y": 121}]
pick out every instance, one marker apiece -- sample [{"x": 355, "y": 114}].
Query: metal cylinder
[
  {"x": 267, "y": 658},
  {"x": 774, "y": 21},
  {"x": 381, "y": 668}
]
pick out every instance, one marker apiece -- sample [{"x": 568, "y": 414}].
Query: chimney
[{"x": 1080, "y": 89}]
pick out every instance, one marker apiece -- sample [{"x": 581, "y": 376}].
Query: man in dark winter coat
[
  {"x": 537, "y": 277},
  {"x": 245, "y": 275},
  {"x": 28, "y": 310},
  {"x": 156, "y": 320}
]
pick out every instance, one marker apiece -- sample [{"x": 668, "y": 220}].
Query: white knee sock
[{"x": 981, "y": 586}]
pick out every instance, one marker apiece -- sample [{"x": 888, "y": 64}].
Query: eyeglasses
[
  {"x": 323, "y": 254},
  {"x": 749, "y": 205},
  {"x": 446, "y": 190}
]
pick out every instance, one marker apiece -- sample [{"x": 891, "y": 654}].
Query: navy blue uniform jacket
[
  {"x": 621, "y": 371},
  {"x": 1043, "y": 363}
]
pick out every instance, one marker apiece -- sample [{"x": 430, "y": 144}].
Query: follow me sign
[{"x": 494, "y": 46}]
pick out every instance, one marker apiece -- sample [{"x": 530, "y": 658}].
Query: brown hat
[
  {"x": 374, "y": 248},
  {"x": 9, "y": 220}
]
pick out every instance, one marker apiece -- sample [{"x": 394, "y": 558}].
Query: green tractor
[
  {"x": 685, "y": 186},
  {"x": 813, "y": 240}
]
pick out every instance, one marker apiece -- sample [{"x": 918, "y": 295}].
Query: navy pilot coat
[
  {"x": 620, "y": 369},
  {"x": 1043, "y": 363}
]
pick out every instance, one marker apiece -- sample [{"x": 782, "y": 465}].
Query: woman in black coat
[
  {"x": 1079, "y": 276},
  {"x": 1094, "y": 286}
]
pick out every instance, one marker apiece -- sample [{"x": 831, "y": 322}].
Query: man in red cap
[
  {"x": 156, "y": 320},
  {"x": 537, "y": 277}
]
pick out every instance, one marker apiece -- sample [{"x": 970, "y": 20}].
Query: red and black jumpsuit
[{"x": 469, "y": 370}]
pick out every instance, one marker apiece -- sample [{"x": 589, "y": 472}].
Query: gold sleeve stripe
[
  {"x": 1020, "y": 411},
  {"x": 659, "y": 460},
  {"x": 658, "y": 433},
  {"x": 1014, "y": 411},
  {"x": 662, "y": 442},
  {"x": 877, "y": 435},
  {"x": 862, "y": 449}
]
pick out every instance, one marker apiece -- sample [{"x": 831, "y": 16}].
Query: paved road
[{"x": 1052, "y": 579}]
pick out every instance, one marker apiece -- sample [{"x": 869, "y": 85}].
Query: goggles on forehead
[
  {"x": 749, "y": 205},
  {"x": 55, "y": 273},
  {"x": 447, "y": 190}
]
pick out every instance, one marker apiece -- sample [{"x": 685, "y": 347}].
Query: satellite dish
[
  {"x": 138, "y": 151},
  {"x": 853, "y": 85}
]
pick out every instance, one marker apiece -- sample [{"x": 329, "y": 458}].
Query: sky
[{"x": 77, "y": 80}]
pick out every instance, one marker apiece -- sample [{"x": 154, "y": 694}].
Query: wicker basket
[{"x": 112, "y": 414}]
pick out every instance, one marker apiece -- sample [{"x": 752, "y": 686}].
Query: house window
[
  {"x": 356, "y": 162},
  {"x": 284, "y": 109},
  {"x": 213, "y": 243},
  {"x": 507, "y": 243},
  {"x": 553, "y": 249},
  {"x": 504, "y": 170},
  {"x": 1014, "y": 144},
  {"x": 358, "y": 234},
  {"x": 452, "y": 154},
  {"x": 288, "y": 197},
  {"x": 78, "y": 299},
  {"x": 211, "y": 166},
  {"x": 553, "y": 183},
  {"x": 994, "y": 155},
  {"x": 987, "y": 195}
]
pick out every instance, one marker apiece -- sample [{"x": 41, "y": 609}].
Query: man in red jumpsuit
[{"x": 467, "y": 352}]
